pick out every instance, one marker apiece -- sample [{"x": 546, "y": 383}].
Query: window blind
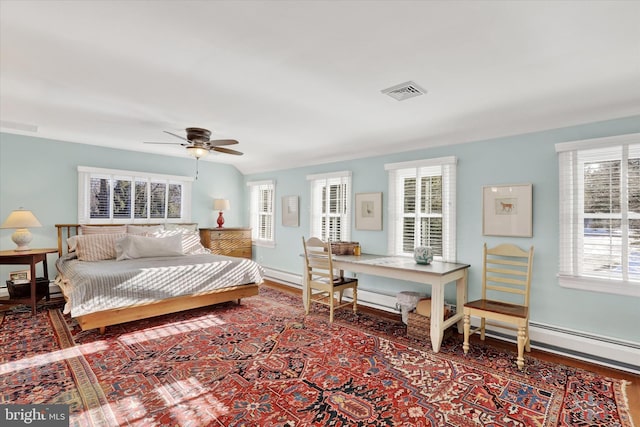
[
  {"x": 422, "y": 206},
  {"x": 599, "y": 204},
  {"x": 262, "y": 210},
  {"x": 331, "y": 206},
  {"x": 111, "y": 196}
]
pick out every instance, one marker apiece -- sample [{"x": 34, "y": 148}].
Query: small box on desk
[{"x": 23, "y": 290}]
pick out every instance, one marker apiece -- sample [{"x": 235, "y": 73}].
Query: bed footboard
[{"x": 102, "y": 319}]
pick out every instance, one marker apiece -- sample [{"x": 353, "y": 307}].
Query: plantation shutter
[
  {"x": 422, "y": 211},
  {"x": 600, "y": 211},
  {"x": 261, "y": 210},
  {"x": 112, "y": 196},
  {"x": 331, "y": 206}
]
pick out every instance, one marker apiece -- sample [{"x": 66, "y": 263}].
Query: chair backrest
[
  {"x": 507, "y": 269},
  {"x": 317, "y": 259}
]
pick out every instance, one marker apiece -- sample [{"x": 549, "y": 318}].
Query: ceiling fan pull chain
[{"x": 197, "y": 159}]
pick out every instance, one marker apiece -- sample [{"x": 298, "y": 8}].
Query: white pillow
[
  {"x": 132, "y": 246},
  {"x": 181, "y": 227},
  {"x": 190, "y": 241},
  {"x": 144, "y": 229}
]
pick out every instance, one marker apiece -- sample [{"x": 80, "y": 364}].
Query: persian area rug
[{"x": 264, "y": 363}]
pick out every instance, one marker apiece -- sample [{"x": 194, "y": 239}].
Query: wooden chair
[
  {"x": 321, "y": 280},
  {"x": 506, "y": 270}
]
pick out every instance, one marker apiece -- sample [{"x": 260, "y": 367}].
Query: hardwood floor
[{"x": 633, "y": 389}]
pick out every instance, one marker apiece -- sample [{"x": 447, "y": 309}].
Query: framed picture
[
  {"x": 290, "y": 211},
  {"x": 22, "y": 276},
  {"x": 368, "y": 211},
  {"x": 507, "y": 210}
]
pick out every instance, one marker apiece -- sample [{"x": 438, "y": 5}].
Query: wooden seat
[
  {"x": 322, "y": 280},
  {"x": 506, "y": 281}
]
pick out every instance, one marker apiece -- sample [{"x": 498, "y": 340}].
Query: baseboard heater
[{"x": 592, "y": 348}]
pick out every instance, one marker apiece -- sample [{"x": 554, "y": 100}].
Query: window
[
  {"x": 111, "y": 196},
  {"x": 600, "y": 214},
  {"x": 422, "y": 207},
  {"x": 261, "y": 211},
  {"x": 331, "y": 206}
]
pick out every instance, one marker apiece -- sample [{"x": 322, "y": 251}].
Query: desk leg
[
  {"x": 461, "y": 299},
  {"x": 437, "y": 316}
]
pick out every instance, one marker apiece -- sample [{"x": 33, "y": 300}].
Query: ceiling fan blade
[
  {"x": 167, "y": 143},
  {"x": 226, "y": 150},
  {"x": 177, "y": 136},
  {"x": 219, "y": 142}
]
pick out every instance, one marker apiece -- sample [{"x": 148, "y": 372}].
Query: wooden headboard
[{"x": 68, "y": 230}]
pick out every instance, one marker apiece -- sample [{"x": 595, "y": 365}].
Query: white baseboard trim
[{"x": 605, "y": 351}]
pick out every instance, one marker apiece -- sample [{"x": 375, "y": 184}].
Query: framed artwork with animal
[{"x": 507, "y": 210}]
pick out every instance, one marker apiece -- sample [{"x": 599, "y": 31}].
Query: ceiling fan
[{"x": 198, "y": 143}]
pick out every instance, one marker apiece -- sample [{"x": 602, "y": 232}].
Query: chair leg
[
  {"x": 528, "y": 343},
  {"x": 355, "y": 300},
  {"x": 331, "y": 307},
  {"x": 467, "y": 330},
  {"x": 521, "y": 344},
  {"x": 482, "y": 325},
  {"x": 308, "y": 307}
]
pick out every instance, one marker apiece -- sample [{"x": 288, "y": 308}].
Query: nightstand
[{"x": 31, "y": 257}]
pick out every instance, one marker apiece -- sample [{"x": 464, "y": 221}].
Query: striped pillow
[
  {"x": 102, "y": 229},
  {"x": 97, "y": 247}
]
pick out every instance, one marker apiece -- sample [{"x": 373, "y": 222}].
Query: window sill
[{"x": 592, "y": 284}]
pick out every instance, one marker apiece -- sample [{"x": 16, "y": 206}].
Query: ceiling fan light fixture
[{"x": 197, "y": 152}]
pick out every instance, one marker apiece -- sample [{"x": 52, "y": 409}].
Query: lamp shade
[
  {"x": 21, "y": 218},
  {"x": 221, "y": 205}
]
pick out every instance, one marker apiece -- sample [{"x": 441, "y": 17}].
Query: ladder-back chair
[
  {"x": 322, "y": 280},
  {"x": 506, "y": 271}
]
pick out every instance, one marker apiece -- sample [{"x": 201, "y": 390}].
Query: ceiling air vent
[{"x": 404, "y": 91}]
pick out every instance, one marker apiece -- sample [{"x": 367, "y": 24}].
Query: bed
[{"x": 113, "y": 274}]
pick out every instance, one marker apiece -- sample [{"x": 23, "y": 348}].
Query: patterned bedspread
[{"x": 101, "y": 285}]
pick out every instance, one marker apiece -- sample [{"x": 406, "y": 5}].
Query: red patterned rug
[{"x": 264, "y": 363}]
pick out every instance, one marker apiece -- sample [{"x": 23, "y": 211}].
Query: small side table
[{"x": 31, "y": 257}]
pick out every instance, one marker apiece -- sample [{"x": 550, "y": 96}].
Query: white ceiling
[{"x": 298, "y": 82}]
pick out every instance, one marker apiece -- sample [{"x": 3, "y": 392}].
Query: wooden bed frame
[{"x": 102, "y": 319}]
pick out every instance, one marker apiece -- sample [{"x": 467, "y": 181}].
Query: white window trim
[
  {"x": 345, "y": 231},
  {"x": 253, "y": 214},
  {"x": 448, "y": 203},
  {"x": 84, "y": 172},
  {"x": 593, "y": 284}
]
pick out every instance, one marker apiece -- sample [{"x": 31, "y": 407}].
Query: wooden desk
[
  {"x": 437, "y": 275},
  {"x": 31, "y": 257}
]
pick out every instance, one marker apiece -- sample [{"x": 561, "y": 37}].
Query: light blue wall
[
  {"x": 529, "y": 158},
  {"x": 41, "y": 175}
]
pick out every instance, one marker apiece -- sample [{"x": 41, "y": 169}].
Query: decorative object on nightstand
[
  {"x": 227, "y": 241},
  {"x": 221, "y": 205},
  {"x": 21, "y": 219}
]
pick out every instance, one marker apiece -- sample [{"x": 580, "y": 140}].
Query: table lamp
[
  {"x": 21, "y": 219},
  {"x": 221, "y": 205}
]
